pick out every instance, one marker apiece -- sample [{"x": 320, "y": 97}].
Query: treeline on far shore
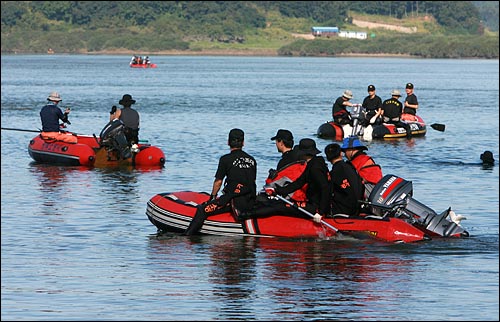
[
  {"x": 418, "y": 45},
  {"x": 425, "y": 46}
]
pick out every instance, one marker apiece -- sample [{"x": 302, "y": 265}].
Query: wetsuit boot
[{"x": 197, "y": 222}]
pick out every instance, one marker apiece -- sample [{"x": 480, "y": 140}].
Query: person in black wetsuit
[
  {"x": 373, "y": 106},
  {"x": 340, "y": 114},
  {"x": 346, "y": 185},
  {"x": 411, "y": 101},
  {"x": 316, "y": 176},
  {"x": 284, "y": 145},
  {"x": 239, "y": 193},
  {"x": 392, "y": 109}
]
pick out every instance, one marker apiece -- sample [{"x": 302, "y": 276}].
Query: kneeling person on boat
[
  {"x": 50, "y": 116},
  {"x": 314, "y": 180},
  {"x": 392, "y": 109},
  {"x": 346, "y": 185},
  {"x": 240, "y": 171}
]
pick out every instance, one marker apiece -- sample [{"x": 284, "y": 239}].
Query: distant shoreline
[{"x": 207, "y": 52}]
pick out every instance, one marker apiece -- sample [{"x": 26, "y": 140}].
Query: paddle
[
  {"x": 306, "y": 212},
  {"x": 438, "y": 127},
  {"x": 34, "y": 131},
  {"x": 22, "y": 130}
]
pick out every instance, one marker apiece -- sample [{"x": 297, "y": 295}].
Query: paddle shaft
[
  {"x": 306, "y": 212},
  {"x": 22, "y": 130}
]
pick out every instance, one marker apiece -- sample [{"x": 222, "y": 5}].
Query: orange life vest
[
  {"x": 287, "y": 174},
  {"x": 367, "y": 168}
]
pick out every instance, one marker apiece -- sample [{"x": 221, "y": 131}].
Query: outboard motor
[
  {"x": 390, "y": 196},
  {"x": 435, "y": 224},
  {"x": 113, "y": 138},
  {"x": 393, "y": 196}
]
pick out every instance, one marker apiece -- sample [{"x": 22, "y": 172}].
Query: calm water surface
[{"x": 77, "y": 245}]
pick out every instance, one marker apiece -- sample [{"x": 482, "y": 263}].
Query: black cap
[
  {"x": 307, "y": 146},
  {"x": 371, "y": 88},
  {"x": 409, "y": 85},
  {"x": 283, "y": 135},
  {"x": 236, "y": 135}
]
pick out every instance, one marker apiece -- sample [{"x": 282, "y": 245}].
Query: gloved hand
[
  {"x": 113, "y": 109},
  {"x": 272, "y": 174},
  {"x": 317, "y": 218},
  {"x": 212, "y": 197},
  {"x": 270, "y": 191}
]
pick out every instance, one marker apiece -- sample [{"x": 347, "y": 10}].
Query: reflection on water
[{"x": 77, "y": 244}]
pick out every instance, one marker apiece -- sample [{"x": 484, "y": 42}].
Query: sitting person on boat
[
  {"x": 392, "y": 109},
  {"x": 239, "y": 193},
  {"x": 373, "y": 107},
  {"x": 340, "y": 113},
  {"x": 365, "y": 165},
  {"x": 346, "y": 185},
  {"x": 314, "y": 180},
  {"x": 130, "y": 118},
  {"x": 284, "y": 145},
  {"x": 50, "y": 115},
  {"x": 133, "y": 60}
]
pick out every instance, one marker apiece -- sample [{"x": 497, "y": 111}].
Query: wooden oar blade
[{"x": 438, "y": 127}]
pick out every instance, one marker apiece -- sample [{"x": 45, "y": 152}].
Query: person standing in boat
[
  {"x": 346, "y": 185},
  {"x": 239, "y": 193},
  {"x": 392, "y": 109},
  {"x": 340, "y": 113},
  {"x": 365, "y": 165},
  {"x": 130, "y": 118},
  {"x": 411, "y": 101},
  {"x": 373, "y": 106},
  {"x": 50, "y": 115}
]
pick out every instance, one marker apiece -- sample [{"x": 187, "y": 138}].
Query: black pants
[
  {"x": 268, "y": 207},
  {"x": 132, "y": 135},
  {"x": 225, "y": 203}
]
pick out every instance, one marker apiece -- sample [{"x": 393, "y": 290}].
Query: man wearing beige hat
[
  {"x": 392, "y": 109},
  {"x": 50, "y": 115},
  {"x": 339, "y": 111}
]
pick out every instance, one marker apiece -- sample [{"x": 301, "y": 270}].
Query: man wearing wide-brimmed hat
[
  {"x": 129, "y": 116},
  {"x": 339, "y": 111},
  {"x": 392, "y": 109},
  {"x": 50, "y": 116}
]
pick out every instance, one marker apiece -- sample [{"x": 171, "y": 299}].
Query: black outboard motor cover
[
  {"x": 113, "y": 137},
  {"x": 389, "y": 193}
]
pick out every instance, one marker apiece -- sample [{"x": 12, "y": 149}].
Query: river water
[{"x": 77, "y": 245}]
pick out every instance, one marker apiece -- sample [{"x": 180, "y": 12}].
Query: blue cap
[{"x": 352, "y": 142}]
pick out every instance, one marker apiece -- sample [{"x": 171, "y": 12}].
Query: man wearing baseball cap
[
  {"x": 411, "y": 102},
  {"x": 239, "y": 170},
  {"x": 373, "y": 106},
  {"x": 284, "y": 144}
]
